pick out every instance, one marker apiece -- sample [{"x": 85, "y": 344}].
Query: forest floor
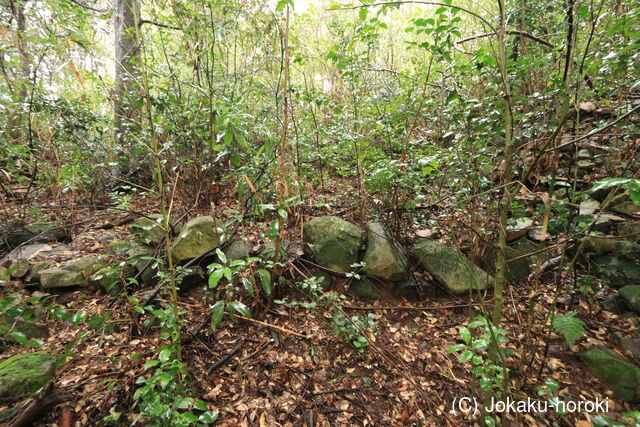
[{"x": 291, "y": 369}]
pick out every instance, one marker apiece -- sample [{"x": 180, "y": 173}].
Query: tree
[{"x": 127, "y": 45}]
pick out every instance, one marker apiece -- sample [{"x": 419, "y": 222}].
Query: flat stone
[
  {"x": 519, "y": 229},
  {"x": 61, "y": 278},
  {"x": 589, "y": 207}
]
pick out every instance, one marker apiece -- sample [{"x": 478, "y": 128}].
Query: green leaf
[
  {"x": 265, "y": 278},
  {"x": 222, "y": 256},
  {"x": 240, "y": 308},
  {"x": 465, "y": 356},
  {"x": 215, "y": 277},
  {"x": 19, "y": 337},
  {"x": 200, "y": 406},
  {"x": 465, "y": 334},
  {"x": 208, "y": 417},
  {"x": 217, "y": 312}
]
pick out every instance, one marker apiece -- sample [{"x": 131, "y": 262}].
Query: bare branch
[{"x": 511, "y": 32}]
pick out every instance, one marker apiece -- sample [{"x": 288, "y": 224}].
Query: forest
[{"x": 319, "y": 213}]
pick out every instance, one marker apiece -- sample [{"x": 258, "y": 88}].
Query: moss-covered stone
[
  {"x": 615, "y": 371},
  {"x": 26, "y": 373},
  {"x": 200, "y": 235},
  {"x": 382, "y": 258},
  {"x": 141, "y": 258},
  {"x": 119, "y": 247},
  {"x": 631, "y": 295},
  {"x": 365, "y": 290},
  {"x": 35, "y": 233},
  {"x": 61, "y": 278},
  {"x": 332, "y": 242},
  {"x": 630, "y": 229},
  {"x": 150, "y": 230},
  {"x": 624, "y": 205},
  {"x": 450, "y": 267},
  {"x": 617, "y": 271},
  {"x": 86, "y": 266},
  {"x": 238, "y": 249},
  {"x": 37, "y": 268},
  {"x": 516, "y": 270},
  {"x": 30, "y": 329}
]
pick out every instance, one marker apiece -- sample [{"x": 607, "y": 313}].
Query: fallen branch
[
  {"x": 269, "y": 325},
  {"x": 48, "y": 398},
  {"x": 226, "y": 357}
]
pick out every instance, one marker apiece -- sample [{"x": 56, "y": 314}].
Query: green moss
[
  {"x": 365, "y": 290},
  {"x": 382, "y": 259},
  {"x": 333, "y": 242},
  {"x": 631, "y": 295},
  {"x": 450, "y": 267},
  {"x": 26, "y": 373},
  {"x": 617, "y": 373},
  {"x": 198, "y": 236}
]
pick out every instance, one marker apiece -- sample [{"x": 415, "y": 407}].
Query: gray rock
[
  {"x": 198, "y": 236},
  {"x": 74, "y": 273},
  {"x": 622, "y": 204},
  {"x": 149, "y": 230},
  {"x": 61, "y": 278},
  {"x": 30, "y": 328},
  {"x": 519, "y": 229},
  {"x": 238, "y": 249},
  {"x": 618, "y": 271},
  {"x": 615, "y": 371},
  {"x": 141, "y": 257},
  {"x": 35, "y": 233},
  {"x": 333, "y": 242},
  {"x": 450, "y": 267},
  {"x": 631, "y": 295},
  {"x": 630, "y": 229},
  {"x": 516, "y": 270},
  {"x": 119, "y": 247},
  {"x": 383, "y": 259},
  {"x": 589, "y": 207}
]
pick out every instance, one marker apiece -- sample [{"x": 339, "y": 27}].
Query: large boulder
[
  {"x": 615, "y": 371},
  {"x": 382, "y": 258},
  {"x": 26, "y": 373},
  {"x": 450, "y": 267},
  {"x": 631, "y": 296},
  {"x": 333, "y": 242},
  {"x": 200, "y": 235}
]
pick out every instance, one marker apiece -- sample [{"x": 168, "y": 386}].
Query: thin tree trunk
[{"x": 126, "y": 112}]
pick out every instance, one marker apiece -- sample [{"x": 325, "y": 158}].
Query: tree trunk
[{"x": 126, "y": 111}]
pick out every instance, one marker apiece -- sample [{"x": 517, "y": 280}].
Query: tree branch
[
  {"x": 511, "y": 32},
  {"x": 158, "y": 24},
  {"x": 429, "y": 3}
]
